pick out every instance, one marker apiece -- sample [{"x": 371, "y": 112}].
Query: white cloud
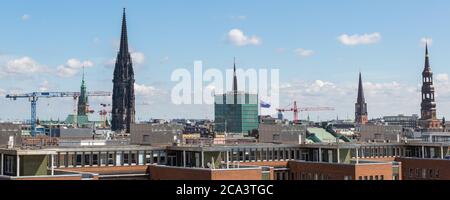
[
  {"x": 442, "y": 85},
  {"x": 426, "y": 40},
  {"x": 25, "y": 17},
  {"x": 45, "y": 86},
  {"x": 442, "y": 77},
  {"x": 238, "y": 38},
  {"x": 356, "y": 39},
  {"x": 110, "y": 63},
  {"x": 24, "y": 65},
  {"x": 147, "y": 95},
  {"x": 72, "y": 67},
  {"x": 143, "y": 90},
  {"x": 304, "y": 52},
  {"x": 138, "y": 58}
]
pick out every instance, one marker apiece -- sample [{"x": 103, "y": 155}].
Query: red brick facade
[
  {"x": 425, "y": 169},
  {"x": 332, "y": 171},
  {"x": 176, "y": 173}
]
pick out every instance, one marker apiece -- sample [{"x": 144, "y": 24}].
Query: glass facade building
[{"x": 236, "y": 112}]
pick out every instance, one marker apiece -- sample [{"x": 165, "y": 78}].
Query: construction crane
[
  {"x": 34, "y": 97},
  {"x": 296, "y": 110}
]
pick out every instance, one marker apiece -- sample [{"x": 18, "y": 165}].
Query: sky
[{"x": 319, "y": 47}]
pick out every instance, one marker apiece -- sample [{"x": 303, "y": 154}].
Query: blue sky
[{"x": 44, "y": 43}]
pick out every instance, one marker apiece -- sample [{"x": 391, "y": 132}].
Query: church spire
[
  {"x": 235, "y": 87},
  {"x": 428, "y": 105},
  {"x": 361, "y": 98},
  {"x": 123, "y": 111},
  {"x": 427, "y": 59},
  {"x": 361, "y": 105},
  {"x": 124, "y": 36}
]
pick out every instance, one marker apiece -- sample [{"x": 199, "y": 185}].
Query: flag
[{"x": 264, "y": 104}]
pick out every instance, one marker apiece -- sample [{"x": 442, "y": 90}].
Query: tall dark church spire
[
  {"x": 124, "y": 36},
  {"x": 428, "y": 105},
  {"x": 235, "y": 86},
  {"x": 123, "y": 111},
  {"x": 361, "y": 98},
  {"x": 361, "y": 105}
]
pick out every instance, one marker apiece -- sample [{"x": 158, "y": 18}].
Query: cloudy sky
[{"x": 319, "y": 47}]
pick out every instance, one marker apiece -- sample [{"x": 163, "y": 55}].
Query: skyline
[{"x": 51, "y": 59}]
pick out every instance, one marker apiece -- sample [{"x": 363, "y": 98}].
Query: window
[
  {"x": 125, "y": 158},
  {"x": 424, "y": 173},
  {"x": 103, "y": 158},
  {"x": 360, "y": 178},
  {"x": 417, "y": 173},
  {"x": 149, "y": 157},
  {"x": 276, "y": 137},
  {"x": 133, "y": 158},
  {"x": 347, "y": 178},
  {"x": 146, "y": 138},
  {"x": 78, "y": 161},
  {"x": 381, "y": 177},
  {"x": 371, "y": 178},
  {"x": 365, "y": 178},
  {"x": 110, "y": 159},
  {"x": 87, "y": 159},
  {"x": 411, "y": 172},
  {"x": 437, "y": 173},
  {"x": 95, "y": 159},
  {"x": 376, "y": 177},
  {"x": 9, "y": 164}
]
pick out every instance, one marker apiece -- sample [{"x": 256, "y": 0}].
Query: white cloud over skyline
[
  {"x": 356, "y": 39},
  {"x": 22, "y": 66},
  {"x": 72, "y": 67},
  {"x": 238, "y": 38}
]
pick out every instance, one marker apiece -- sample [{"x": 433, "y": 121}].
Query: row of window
[
  {"x": 376, "y": 177},
  {"x": 423, "y": 173},
  {"x": 310, "y": 176},
  {"x": 79, "y": 159},
  {"x": 267, "y": 154},
  {"x": 377, "y": 152}
]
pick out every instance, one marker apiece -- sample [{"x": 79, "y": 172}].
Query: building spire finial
[
  {"x": 124, "y": 36},
  {"x": 235, "y": 87},
  {"x": 427, "y": 57},
  {"x": 361, "y": 98}
]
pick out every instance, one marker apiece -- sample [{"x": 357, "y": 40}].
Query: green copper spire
[{"x": 83, "y": 98}]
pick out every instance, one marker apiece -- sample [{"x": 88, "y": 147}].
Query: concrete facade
[
  {"x": 281, "y": 133},
  {"x": 155, "y": 134}
]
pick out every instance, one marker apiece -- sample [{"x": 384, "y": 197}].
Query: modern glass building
[{"x": 236, "y": 112}]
